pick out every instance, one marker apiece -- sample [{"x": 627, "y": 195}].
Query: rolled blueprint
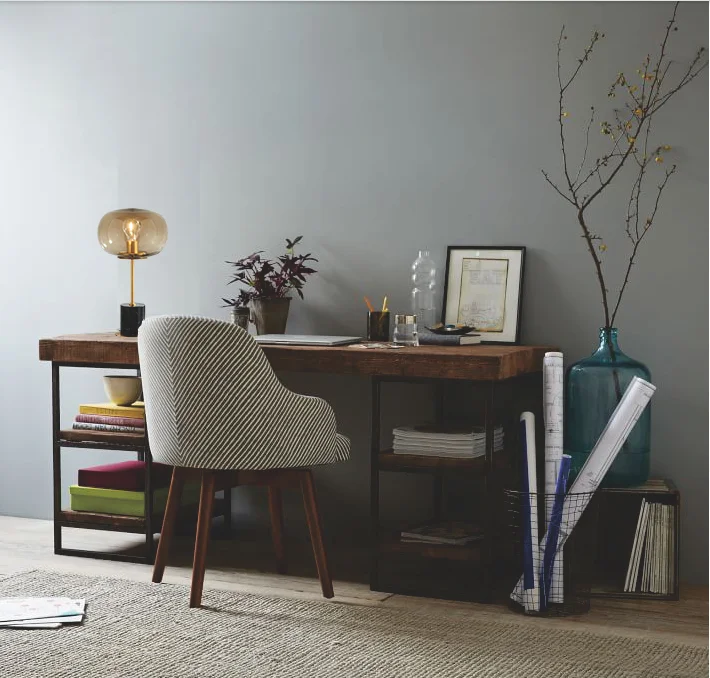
[
  {"x": 553, "y": 396},
  {"x": 617, "y": 430},
  {"x": 531, "y": 550},
  {"x": 551, "y": 553}
]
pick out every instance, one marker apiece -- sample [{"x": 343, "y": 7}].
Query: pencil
[
  {"x": 384, "y": 304},
  {"x": 369, "y": 305}
]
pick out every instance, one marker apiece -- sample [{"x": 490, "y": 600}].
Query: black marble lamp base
[{"x": 131, "y": 319}]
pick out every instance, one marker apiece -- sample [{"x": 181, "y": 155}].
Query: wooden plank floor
[{"x": 246, "y": 565}]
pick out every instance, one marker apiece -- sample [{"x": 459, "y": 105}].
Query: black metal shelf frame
[
  {"x": 143, "y": 452},
  {"x": 492, "y": 400}
]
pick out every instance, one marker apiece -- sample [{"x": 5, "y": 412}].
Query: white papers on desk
[{"x": 426, "y": 441}]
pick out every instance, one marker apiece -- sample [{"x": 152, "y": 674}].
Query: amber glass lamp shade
[{"x": 133, "y": 233}]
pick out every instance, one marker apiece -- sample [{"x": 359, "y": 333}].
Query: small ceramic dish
[
  {"x": 452, "y": 330},
  {"x": 123, "y": 389}
]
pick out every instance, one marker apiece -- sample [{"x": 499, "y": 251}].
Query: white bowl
[{"x": 123, "y": 389}]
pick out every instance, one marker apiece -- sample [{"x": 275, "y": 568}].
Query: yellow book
[{"x": 136, "y": 410}]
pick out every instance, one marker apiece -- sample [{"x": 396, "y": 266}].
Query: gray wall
[{"x": 372, "y": 129}]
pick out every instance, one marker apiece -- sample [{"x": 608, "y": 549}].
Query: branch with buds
[{"x": 628, "y": 135}]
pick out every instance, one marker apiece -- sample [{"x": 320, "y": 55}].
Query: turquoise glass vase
[{"x": 593, "y": 388}]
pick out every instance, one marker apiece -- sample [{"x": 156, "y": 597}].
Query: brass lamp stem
[{"x": 132, "y": 281}]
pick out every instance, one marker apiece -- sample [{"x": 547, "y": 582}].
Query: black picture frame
[{"x": 518, "y": 315}]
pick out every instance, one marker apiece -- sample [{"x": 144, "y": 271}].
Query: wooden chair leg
[
  {"x": 177, "y": 482},
  {"x": 314, "y": 527},
  {"x": 204, "y": 522},
  {"x": 277, "y": 528}
]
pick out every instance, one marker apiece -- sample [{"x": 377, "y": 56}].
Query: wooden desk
[
  {"x": 473, "y": 363},
  {"x": 488, "y": 367}
]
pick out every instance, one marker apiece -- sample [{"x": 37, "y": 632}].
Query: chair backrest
[{"x": 210, "y": 393}]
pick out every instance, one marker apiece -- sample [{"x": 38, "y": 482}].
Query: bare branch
[
  {"x": 688, "y": 77},
  {"x": 586, "y": 147},
  {"x": 560, "y": 117},
  {"x": 634, "y": 251},
  {"x": 662, "y": 55},
  {"x": 632, "y": 124},
  {"x": 554, "y": 185}
]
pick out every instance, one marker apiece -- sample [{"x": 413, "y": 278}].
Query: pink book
[{"x": 112, "y": 421}]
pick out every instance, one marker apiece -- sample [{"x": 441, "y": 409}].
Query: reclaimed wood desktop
[
  {"x": 474, "y": 363},
  {"x": 487, "y": 366}
]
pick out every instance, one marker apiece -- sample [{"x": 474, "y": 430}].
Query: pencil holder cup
[
  {"x": 378, "y": 326},
  {"x": 548, "y": 579}
]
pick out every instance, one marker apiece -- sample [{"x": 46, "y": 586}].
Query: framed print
[{"x": 483, "y": 288}]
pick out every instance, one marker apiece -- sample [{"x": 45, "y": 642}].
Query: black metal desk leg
[
  {"x": 375, "y": 484},
  {"x": 438, "y": 477},
  {"x": 149, "y": 528},
  {"x": 56, "y": 460},
  {"x": 490, "y": 485}
]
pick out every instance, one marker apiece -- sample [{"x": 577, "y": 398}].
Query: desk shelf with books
[
  {"x": 490, "y": 368},
  {"x": 437, "y": 564},
  {"x": 147, "y": 524}
]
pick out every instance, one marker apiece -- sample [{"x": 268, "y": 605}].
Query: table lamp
[{"x": 132, "y": 234}]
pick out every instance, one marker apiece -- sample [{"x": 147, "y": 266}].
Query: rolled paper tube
[{"x": 620, "y": 424}]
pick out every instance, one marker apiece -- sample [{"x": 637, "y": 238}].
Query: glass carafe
[
  {"x": 424, "y": 290},
  {"x": 593, "y": 388}
]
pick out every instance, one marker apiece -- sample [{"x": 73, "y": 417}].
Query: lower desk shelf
[
  {"x": 136, "y": 524},
  {"x": 391, "y": 543},
  {"x": 389, "y": 461}
]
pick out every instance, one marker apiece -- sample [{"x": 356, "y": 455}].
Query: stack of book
[
  {"x": 427, "y": 338},
  {"x": 430, "y": 441},
  {"x": 119, "y": 489},
  {"x": 449, "y": 533},
  {"x": 652, "y": 562},
  {"x": 111, "y": 418}
]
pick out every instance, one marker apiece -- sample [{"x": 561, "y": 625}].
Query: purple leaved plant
[{"x": 263, "y": 278}]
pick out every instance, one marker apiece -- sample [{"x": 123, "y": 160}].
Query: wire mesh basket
[{"x": 551, "y": 544}]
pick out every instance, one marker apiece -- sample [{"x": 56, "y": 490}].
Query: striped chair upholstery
[{"x": 213, "y": 402}]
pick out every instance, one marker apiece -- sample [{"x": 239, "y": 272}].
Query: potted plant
[{"x": 267, "y": 284}]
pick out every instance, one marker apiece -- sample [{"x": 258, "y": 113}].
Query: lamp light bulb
[{"x": 131, "y": 229}]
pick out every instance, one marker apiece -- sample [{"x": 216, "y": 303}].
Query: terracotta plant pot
[{"x": 270, "y": 315}]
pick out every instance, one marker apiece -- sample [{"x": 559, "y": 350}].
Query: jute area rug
[{"x": 143, "y": 630}]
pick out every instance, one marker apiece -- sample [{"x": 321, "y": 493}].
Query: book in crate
[{"x": 652, "y": 561}]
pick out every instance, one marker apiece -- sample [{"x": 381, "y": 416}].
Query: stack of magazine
[
  {"x": 652, "y": 562},
  {"x": 41, "y": 613},
  {"x": 450, "y": 533},
  {"x": 430, "y": 441}
]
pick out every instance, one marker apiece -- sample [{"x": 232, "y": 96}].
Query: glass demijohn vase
[
  {"x": 593, "y": 387},
  {"x": 424, "y": 290}
]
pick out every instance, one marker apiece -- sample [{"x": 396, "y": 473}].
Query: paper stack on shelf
[
  {"x": 450, "y": 533},
  {"x": 652, "y": 561},
  {"x": 40, "y": 613},
  {"x": 428, "y": 441}
]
